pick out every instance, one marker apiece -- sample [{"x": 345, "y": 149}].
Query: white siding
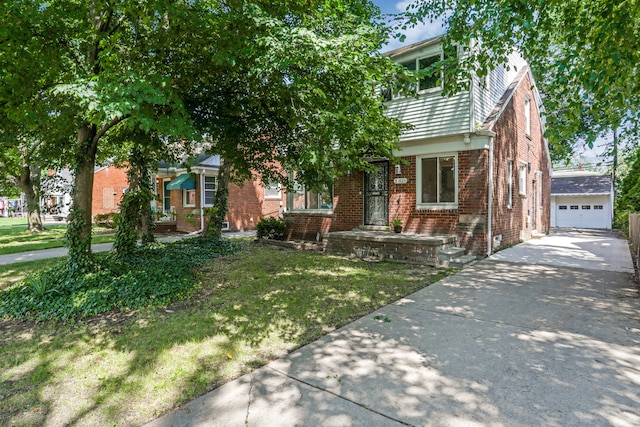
[
  {"x": 432, "y": 114},
  {"x": 486, "y": 98}
]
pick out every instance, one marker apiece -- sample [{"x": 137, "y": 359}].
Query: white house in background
[{"x": 582, "y": 200}]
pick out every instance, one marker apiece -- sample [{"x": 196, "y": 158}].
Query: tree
[
  {"x": 584, "y": 54},
  {"x": 294, "y": 89},
  {"x": 273, "y": 84}
]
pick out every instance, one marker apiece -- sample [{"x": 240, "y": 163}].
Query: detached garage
[{"x": 582, "y": 201}]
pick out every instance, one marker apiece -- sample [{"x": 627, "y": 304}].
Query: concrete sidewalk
[
  {"x": 502, "y": 343},
  {"x": 100, "y": 247}
]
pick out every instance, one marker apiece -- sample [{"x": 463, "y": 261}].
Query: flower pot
[{"x": 397, "y": 228}]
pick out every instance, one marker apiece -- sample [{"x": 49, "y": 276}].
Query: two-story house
[{"x": 476, "y": 166}]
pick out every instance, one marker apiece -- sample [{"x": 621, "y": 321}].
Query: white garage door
[{"x": 583, "y": 212}]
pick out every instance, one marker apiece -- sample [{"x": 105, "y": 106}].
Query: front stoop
[{"x": 388, "y": 246}]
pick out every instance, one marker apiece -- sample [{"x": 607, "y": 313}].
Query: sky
[{"x": 413, "y": 35}]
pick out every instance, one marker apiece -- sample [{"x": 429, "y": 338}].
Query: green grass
[
  {"x": 18, "y": 239},
  {"x": 10, "y": 222},
  {"x": 130, "y": 367}
]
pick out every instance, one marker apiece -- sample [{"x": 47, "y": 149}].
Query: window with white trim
[
  {"x": 437, "y": 181},
  {"x": 305, "y": 199},
  {"x": 527, "y": 116},
  {"x": 430, "y": 79},
  {"x": 522, "y": 179},
  {"x": 586, "y": 207},
  {"x": 272, "y": 190},
  {"x": 210, "y": 186},
  {"x": 562, "y": 207},
  {"x": 510, "y": 184},
  {"x": 188, "y": 198},
  {"x": 597, "y": 207},
  {"x": 574, "y": 207}
]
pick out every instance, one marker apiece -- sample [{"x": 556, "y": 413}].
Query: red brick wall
[
  {"x": 468, "y": 222},
  {"x": 512, "y": 143},
  {"x": 108, "y": 188}
]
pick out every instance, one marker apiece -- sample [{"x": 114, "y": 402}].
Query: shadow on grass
[{"x": 248, "y": 309}]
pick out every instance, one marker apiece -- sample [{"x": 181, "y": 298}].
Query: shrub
[
  {"x": 153, "y": 275},
  {"x": 271, "y": 228},
  {"x": 108, "y": 220}
]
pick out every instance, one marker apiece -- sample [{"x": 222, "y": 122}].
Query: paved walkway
[
  {"x": 527, "y": 337},
  {"x": 100, "y": 247}
]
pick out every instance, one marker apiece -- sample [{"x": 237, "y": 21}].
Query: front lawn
[
  {"x": 17, "y": 239},
  {"x": 126, "y": 368}
]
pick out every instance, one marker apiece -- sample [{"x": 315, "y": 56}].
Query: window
[
  {"x": 188, "y": 198},
  {"x": 429, "y": 78},
  {"x": 272, "y": 190},
  {"x": 210, "y": 185},
  {"x": 522, "y": 179},
  {"x": 597, "y": 207},
  {"x": 586, "y": 207},
  {"x": 562, "y": 207},
  {"x": 527, "y": 116},
  {"x": 302, "y": 198},
  {"x": 510, "y": 184},
  {"x": 437, "y": 180},
  {"x": 166, "y": 196},
  {"x": 574, "y": 207}
]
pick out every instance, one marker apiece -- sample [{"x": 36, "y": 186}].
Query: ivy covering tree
[
  {"x": 271, "y": 83},
  {"x": 584, "y": 54}
]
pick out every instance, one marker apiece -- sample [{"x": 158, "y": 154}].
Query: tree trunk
[
  {"x": 29, "y": 182},
  {"x": 135, "y": 209},
  {"x": 219, "y": 210},
  {"x": 78, "y": 238}
]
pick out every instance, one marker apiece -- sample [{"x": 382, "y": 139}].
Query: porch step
[
  {"x": 446, "y": 255},
  {"x": 462, "y": 261}
]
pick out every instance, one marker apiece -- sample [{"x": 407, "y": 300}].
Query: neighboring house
[
  {"x": 109, "y": 185},
  {"x": 477, "y": 165},
  {"x": 57, "y": 189},
  {"x": 182, "y": 191},
  {"x": 581, "y": 200}
]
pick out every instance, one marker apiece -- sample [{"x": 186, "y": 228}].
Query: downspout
[
  {"x": 193, "y": 233},
  {"x": 490, "y": 200}
]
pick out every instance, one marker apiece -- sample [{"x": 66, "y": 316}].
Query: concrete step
[
  {"x": 447, "y": 254},
  {"x": 462, "y": 261}
]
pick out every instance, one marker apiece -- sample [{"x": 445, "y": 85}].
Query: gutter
[{"x": 490, "y": 200}]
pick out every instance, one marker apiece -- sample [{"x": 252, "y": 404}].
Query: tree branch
[{"x": 108, "y": 126}]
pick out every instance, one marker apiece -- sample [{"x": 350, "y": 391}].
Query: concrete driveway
[{"x": 543, "y": 334}]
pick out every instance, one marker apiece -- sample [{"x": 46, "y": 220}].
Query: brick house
[
  {"x": 476, "y": 166},
  {"x": 182, "y": 191},
  {"x": 109, "y": 185}
]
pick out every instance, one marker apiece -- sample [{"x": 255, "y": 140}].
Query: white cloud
[{"x": 401, "y": 6}]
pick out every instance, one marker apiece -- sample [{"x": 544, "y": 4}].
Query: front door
[{"x": 376, "y": 195}]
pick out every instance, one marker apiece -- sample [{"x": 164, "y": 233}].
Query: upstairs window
[
  {"x": 527, "y": 116},
  {"x": 429, "y": 77}
]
